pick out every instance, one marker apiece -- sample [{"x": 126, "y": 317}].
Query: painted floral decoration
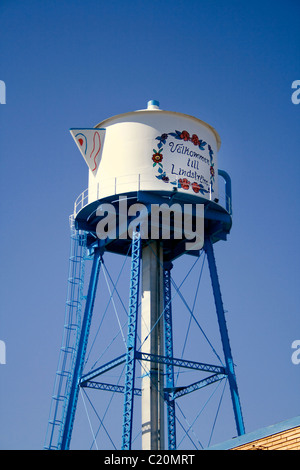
[
  {"x": 157, "y": 156},
  {"x": 184, "y": 183}
]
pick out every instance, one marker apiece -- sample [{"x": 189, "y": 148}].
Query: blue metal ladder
[{"x": 72, "y": 325}]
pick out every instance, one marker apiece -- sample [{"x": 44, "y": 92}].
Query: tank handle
[{"x": 228, "y": 192}]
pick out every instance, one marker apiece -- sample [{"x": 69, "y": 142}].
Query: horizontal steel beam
[
  {"x": 102, "y": 369},
  {"x": 180, "y": 362},
  {"x": 109, "y": 387},
  {"x": 197, "y": 385}
]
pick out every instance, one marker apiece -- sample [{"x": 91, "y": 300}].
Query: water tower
[{"x": 153, "y": 194}]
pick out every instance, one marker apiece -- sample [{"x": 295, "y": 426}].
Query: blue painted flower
[{"x": 162, "y": 140}]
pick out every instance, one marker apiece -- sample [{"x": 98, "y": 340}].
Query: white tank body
[{"x": 156, "y": 150}]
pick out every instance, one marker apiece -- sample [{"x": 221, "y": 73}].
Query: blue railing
[{"x": 115, "y": 187}]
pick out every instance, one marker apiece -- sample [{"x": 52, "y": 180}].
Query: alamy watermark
[
  {"x": 154, "y": 222},
  {"x": 2, "y": 352},
  {"x": 2, "y": 92},
  {"x": 296, "y": 354},
  {"x": 296, "y": 343},
  {"x": 296, "y": 94}
]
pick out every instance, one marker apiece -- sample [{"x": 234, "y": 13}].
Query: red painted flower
[
  {"x": 157, "y": 157},
  {"x": 212, "y": 171},
  {"x": 184, "y": 183},
  {"x": 185, "y": 135},
  {"x": 195, "y": 139},
  {"x": 196, "y": 187}
]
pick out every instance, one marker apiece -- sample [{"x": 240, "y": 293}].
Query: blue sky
[{"x": 73, "y": 64}]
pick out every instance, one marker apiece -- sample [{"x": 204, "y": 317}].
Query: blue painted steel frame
[
  {"x": 224, "y": 336},
  {"x": 131, "y": 341},
  {"x": 171, "y": 418},
  {"x": 77, "y": 372},
  {"x": 132, "y": 355}
]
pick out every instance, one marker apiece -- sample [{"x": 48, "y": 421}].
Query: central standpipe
[{"x": 152, "y": 343}]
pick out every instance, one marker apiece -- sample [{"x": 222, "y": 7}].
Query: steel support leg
[
  {"x": 224, "y": 336},
  {"x": 169, "y": 353},
  {"x": 78, "y": 367},
  {"x": 152, "y": 343},
  {"x": 131, "y": 342}
]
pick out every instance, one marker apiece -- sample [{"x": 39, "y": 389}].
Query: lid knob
[{"x": 153, "y": 104}]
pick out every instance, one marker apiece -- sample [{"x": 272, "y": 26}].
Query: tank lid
[{"x": 153, "y": 104}]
